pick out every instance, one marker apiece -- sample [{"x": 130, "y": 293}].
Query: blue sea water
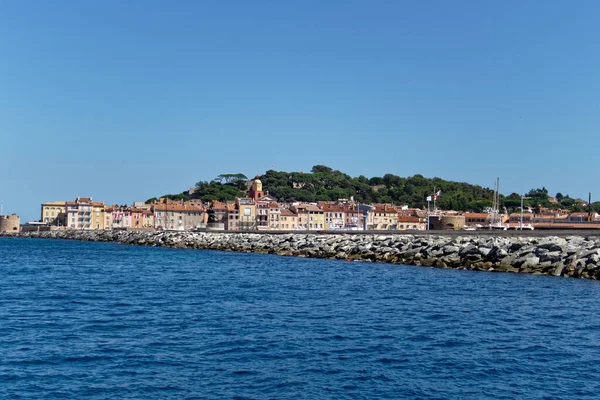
[{"x": 103, "y": 321}]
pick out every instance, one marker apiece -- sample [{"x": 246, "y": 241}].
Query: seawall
[{"x": 573, "y": 255}]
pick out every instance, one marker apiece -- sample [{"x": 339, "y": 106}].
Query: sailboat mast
[{"x": 498, "y": 198}]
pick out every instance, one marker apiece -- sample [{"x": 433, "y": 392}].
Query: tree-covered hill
[{"x": 326, "y": 184}]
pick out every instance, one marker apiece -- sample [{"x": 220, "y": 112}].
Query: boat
[{"x": 495, "y": 220}]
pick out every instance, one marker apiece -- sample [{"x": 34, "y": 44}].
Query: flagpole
[{"x": 434, "y": 198}]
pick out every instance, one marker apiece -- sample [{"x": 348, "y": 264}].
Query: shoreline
[{"x": 569, "y": 254}]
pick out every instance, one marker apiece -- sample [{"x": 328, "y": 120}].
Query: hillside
[{"x": 326, "y": 184}]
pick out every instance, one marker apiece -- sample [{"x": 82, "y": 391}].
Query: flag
[
  {"x": 428, "y": 198},
  {"x": 437, "y": 195}
]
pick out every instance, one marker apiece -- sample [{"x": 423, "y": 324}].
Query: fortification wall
[{"x": 10, "y": 223}]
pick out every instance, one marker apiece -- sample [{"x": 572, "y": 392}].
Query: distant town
[{"x": 261, "y": 211}]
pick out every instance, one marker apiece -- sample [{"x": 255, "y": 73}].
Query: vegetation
[{"x": 326, "y": 184}]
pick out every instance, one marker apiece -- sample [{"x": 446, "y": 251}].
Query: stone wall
[
  {"x": 10, "y": 223},
  {"x": 447, "y": 222},
  {"x": 576, "y": 256}
]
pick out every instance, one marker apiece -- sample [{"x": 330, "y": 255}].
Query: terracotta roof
[
  {"x": 409, "y": 219},
  {"x": 218, "y": 205},
  {"x": 177, "y": 207},
  {"x": 54, "y": 203},
  {"x": 477, "y": 215},
  {"x": 518, "y": 215},
  {"x": 384, "y": 208},
  {"x": 140, "y": 210},
  {"x": 335, "y": 208},
  {"x": 287, "y": 213},
  {"x": 561, "y": 225},
  {"x": 579, "y": 214}
]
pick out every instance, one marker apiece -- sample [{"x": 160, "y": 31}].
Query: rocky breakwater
[{"x": 575, "y": 256}]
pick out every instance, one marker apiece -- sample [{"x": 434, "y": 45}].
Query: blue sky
[{"x": 123, "y": 101}]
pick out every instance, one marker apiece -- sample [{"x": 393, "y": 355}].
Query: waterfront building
[
  {"x": 335, "y": 216},
  {"x": 382, "y": 217},
  {"x": 108, "y": 216},
  {"x": 262, "y": 215},
  {"x": 515, "y": 218},
  {"x": 310, "y": 217},
  {"x": 10, "y": 223},
  {"x": 477, "y": 220},
  {"x": 247, "y": 210},
  {"x": 177, "y": 216},
  {"x": 355, "y": 217},
  {"x": 289, "y": 220},
  {"x": 54, "y": 213},
  {"x": 410, "y": 223},
  {"x": 217, "y": 214},
  {"x": 233, "y": 217},
  {"x": 141, "y": 218},
  {"x": 274, "y": 216},
  {"x": 84, "y": 213},
  {"x": 579, "y": 217}
]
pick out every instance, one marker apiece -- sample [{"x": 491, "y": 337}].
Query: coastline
[{"x": 574, "y": 255}]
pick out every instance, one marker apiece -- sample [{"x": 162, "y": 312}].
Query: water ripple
[{"x": 105, "y": 321}]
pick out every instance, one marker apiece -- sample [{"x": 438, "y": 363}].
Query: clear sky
[{"x": 126, "y": 100}]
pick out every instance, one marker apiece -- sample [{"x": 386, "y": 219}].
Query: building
[
  {"x": 579, "y": 217},
  {"x": 289, "y": 220},
  {"x": 83, "y": 213},
  {"x": 141, "y": 218},
  {"x": 446, "y": 222},
  {"x": 262, "y": 215},
  {"x": 233, "y": 217},
  {"x": 335, "y": 217},
  {"x": 477, "y": 220},
  {"x": 274, "y": 216},
  {"x": 10, "y": 223},
  {"x": 217, "y": 215},
  {"x": 54, "y": 213},
  {"x": 310, "y": 217},
  {"x": 108, "y": 216},
  {"x": 120, "y": 217},
  {"x": 355, "y": 217},
  {"x": 515, "y": 218},
  {"x": 410, "y": 223},
  {"x": 383, "y": 217},
  {"x": 256, "y": 190},
  {"x": 247, "y": 209},
  {"x": 178, "y": 216}
]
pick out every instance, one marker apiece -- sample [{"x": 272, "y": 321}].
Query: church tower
[{"x": 256, "y": 190}]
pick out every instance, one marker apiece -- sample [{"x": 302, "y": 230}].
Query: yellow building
[
  {"x": 382, "y": 217},
  {"x": 97, "y": 215},
  {"x": 54, "y": 213},
  {"x": 310, "y": 217},
  {"x": 247, "y": 209},
  {"x": 288, "y": 220}
]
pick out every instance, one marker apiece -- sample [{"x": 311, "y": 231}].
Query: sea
[{"x": 84, "y": 320}]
